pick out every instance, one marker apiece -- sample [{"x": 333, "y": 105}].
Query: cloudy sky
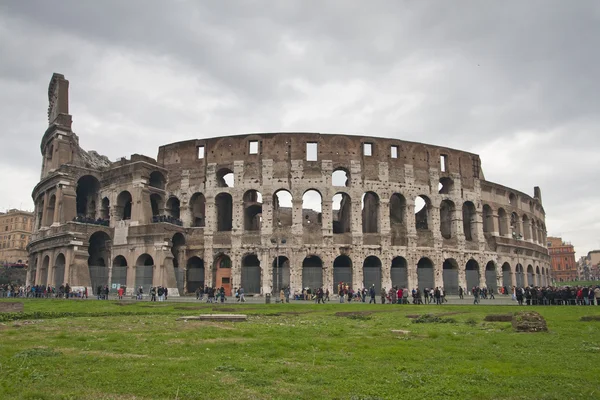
[{"x": 517, "y": 82}]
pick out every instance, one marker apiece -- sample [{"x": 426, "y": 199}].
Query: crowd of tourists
[
  {"x": 42, "y": 291},
  {"x": 94, "y": 221},
  {"x": 552, "y": 295},
  {"x": 212, "y": 294},
  {"x": 167, "y": 218}
]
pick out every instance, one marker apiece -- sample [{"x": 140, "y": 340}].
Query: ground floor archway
[
  {"x": 399, "y": 273},
  {"x": 194, "y": 274},
  {"x": 281, "y": 274},
  {"x": 251, "y": 274},
  {"x": 450, "y": 275},
  {"x": 312, "y": 273},
  {"x": 425, "y": 275},
  {"x": 372, "y": 273}
]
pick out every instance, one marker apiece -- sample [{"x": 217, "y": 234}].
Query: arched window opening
[
  {"x": 105, "y": 209},
  {"x": 342, "y": 273},
  {"x": 156, "y": 203},
  {"x": 224, "y": 205},
  {"x": 198, "y": 208},
  {"x": 252, "y": 210},
  {"x": 173, "y": 208},
  {"x": 312, "y": 273},
  {"x": 526, "y": 228},
  {"x": 450, "y": 276},
  {"x": 425, "y": 274},
  {"x": 99, "y": 254},
  {"x": 40, "y": 213},
  {"x": 157, "y": 180},
  {"x": 472, "y": 274},
  {"x": 520, "y": 277},
  {"x": 282, "y": 208},
  {"x": 446, "y": 185},
  {"x": 491, "y": 276},
  {"x": 397, "y": 210},
  {"x": 446, "y": 213},
  {"x": 195, "y": 274},
  {"x": 502, "y": 222},
  {"x": 515, "y": 226},
  {"x": 537, "y": 280},
  {"x": 251, "y": 274},
  {"x": 87, "y": 196},
  {"x": 512, "y": 199},
  {"x": 530, "y": 276},
  {"x": 342, "y": 213},
  {"x": 422, "y": 211},
  {"x": 370, "y": 213},
  {"x": 534, "y": 231},
  {"x": 340, "y": 177},
  {"x": 488, "y": 219},
  {"x": 372, "y": 273},
  {"x": 50, "y": 210},
  {"x": 124, "y": 205},
  {"x": 178, "y": 241},
  {"x": 44, "y": 271},
  {"x": 225, "y": 178},
  {"x": 469, "y": 220},
  {"x": 311, "y": 208},
  {"x": 222, "y": 273}
]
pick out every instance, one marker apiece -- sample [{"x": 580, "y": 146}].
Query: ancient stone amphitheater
[{"x": 272, "y": 210}]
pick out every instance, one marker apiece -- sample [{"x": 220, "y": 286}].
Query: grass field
[
  {"x": 104, "y": 350},
  {"x": 578, "y": 283}
]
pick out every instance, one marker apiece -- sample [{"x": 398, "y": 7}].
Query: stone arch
[
  {"x": 194, "y": 274},
  {"x": 50, "y": 210},
  {"x": 519, "y": 275},
  {"x": 59, "y": 270},
  {"x": 530, "y": 276},
  {"x": 491, "y": 277},
  {"x": 398, "y": 226},
  {"x": 198, "y": 209},
  {"x": 99, "y": 254},
  {"x": 506, "y": 276},
  {"x": 124, "y": 205},
  {"x": 251, "y": 274},
  {"x": 526, "y": 227},
  {"x": 447, "y": 210},
  {"x": 422, "y": 213},
  {"x": 340, "y": 177},
  {"x": 224, "y": 206},
  {"x": 282, "y": 208},
  {"x": 105, "y": 209},
  {"x": 399, "y": 272},
  {"x": 450, "y": 276},
  {"x": 87, "y": 196},
  {"x": 537, "y": 276},
  {"x": 156, "y": 204},
  {"x": 372, "y": 273},
  {"x": 312, "y": 272},
  {"x": 144, "y": 272},
  {"x": 342, "y": 272},
  {"x": 469, "y": 221},
  {"x": 502, "y": 222},
  {"x": 514, "y": 225},
  {"x": 488, "y": 219},
  {"x": 312, "y": 201},
  {"x": 472, "y": 274},
  {"x": 173, "y": 207},
  {"x": 281, "y": 274},
  {"x": 178, "y": 241},
  {"x": 119, "y": 272},
  {"x": 370, "y": 212},
  {"x": 222, "y": 273},
  {"x": 425, "y": 274},
  {"x": 225, "y": 178},
  {"x": 44, "y": 271},
  {"x": 512, "y": 199},
  {"x": 342, "y": 213},
  {"x": 252, "y": 210},
  {"x": 157, "y": 180}
]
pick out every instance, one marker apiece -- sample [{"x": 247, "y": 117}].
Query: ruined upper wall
[{"x": 282, "y": 148}]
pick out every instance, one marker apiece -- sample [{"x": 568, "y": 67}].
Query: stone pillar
[
  {"x": 457, "y": 225},
  {"x": 297, "y": 222},
  {"x": 462, "y": 275},
  {"x": 327, "y": 216},
  {"x": 266, "y": 267},
  {"x": 495, "y": 224},
  {"x": 45, "y": 210},
  {"x": 413, "y": 279}
]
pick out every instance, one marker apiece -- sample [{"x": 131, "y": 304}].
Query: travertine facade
[
  {"x": 15, "y": 233},
  {"x": 275, "y": 209}
]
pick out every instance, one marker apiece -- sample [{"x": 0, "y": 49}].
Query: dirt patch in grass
[
  {"x": 122, "y": 303},
  {"x": 498, "y": 318},
  {"x": 352, "y": 313},
  {"x": 191, "y": 307},
  {"x": 588, "y": 318},
  {"x": 11, "y": 307},
  {"x": 204, "y": 324}
]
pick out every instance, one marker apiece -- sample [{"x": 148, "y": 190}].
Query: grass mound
[{"x": 432, "y": 319}]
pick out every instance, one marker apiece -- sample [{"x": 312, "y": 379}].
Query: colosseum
[{"x": 272, "y": 210}]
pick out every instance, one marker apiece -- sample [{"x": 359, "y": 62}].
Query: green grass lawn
[
  {"x": 104, "y": 350},
  {"x": 578, "y": 283}
]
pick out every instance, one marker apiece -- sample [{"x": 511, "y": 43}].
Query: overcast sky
[{"x": 516, "y": 82}]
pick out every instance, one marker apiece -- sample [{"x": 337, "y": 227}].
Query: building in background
[
  {"x": 15, "y": 232},
  {"x": 592, "y": 262},
  {"x": 562, "y": 255}
]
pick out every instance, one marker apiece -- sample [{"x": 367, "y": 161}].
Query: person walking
[
  {"x": 242, "y": 298},
  {"x": 372, "y": 294}
]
